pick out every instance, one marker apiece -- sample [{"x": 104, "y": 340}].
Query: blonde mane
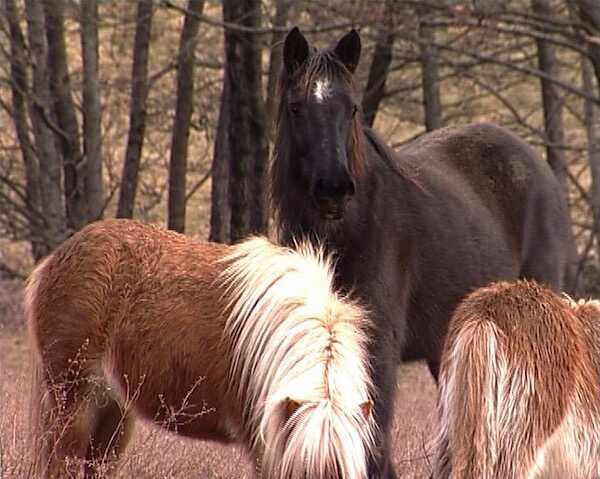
[{"x": 299, "y": 361}]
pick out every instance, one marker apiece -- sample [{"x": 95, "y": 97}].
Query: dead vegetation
[{"x": 154, "y": 453}]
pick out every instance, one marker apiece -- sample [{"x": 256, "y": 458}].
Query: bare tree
[
  {"x": 19, "y": 90},
  {"x": 183, "y": 115},
  {"x": 592, "y": 122},
  {"x": 92, "y": 113},
  {"x": 487, "y": 43},
  {"x": 432, "y": 104},
  {"x": 64, "y": 110},
  {"x": 552, "y": 100},
  {"x": 247, "y": 131},
  {"x": 589, "y": 12},
  {"x": 282, "y": 10},
  {"x": 137, "y": 109},
  {"x": 220, "y": 209},
  {"x": 49, "y": 161},
  {"x": 380, "y": 64}
]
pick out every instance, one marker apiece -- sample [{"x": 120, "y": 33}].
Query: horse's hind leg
[
  {"x": 65, "y": 381},
  {"x": 63, "y": 431},
  {"x": 442, "y": 467},
  {"x": 111, "y": 430}
]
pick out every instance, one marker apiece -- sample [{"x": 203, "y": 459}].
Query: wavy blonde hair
[{"x": 299, "y": 362}]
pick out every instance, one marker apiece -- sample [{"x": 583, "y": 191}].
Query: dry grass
[{"x": 154, "y": 453}]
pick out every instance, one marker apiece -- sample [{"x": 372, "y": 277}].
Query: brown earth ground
[{"x": 154, "y": 453}]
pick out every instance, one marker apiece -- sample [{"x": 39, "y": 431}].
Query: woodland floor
[{"x": 154, "y": 453}]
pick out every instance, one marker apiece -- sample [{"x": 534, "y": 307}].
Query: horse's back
[
  {"x": 487, "y": 164},
  {"x": 112, "y": 261}
]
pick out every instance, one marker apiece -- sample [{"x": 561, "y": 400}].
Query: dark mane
[
  {"x": 390, "y": 158},
  {"x": 323, "y": 64}
]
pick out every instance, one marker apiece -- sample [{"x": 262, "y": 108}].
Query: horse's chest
[{"x": 383, "y": 289}]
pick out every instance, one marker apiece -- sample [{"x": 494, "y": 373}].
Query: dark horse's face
[{"x": 319, "y": 110}]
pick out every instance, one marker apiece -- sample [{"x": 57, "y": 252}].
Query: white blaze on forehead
[{"x": 322, "y": 89}]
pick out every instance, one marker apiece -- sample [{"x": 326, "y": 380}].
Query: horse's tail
[
  {"x": 473, "y": 371},
  {"x": 39, "y": 417},
  {"x": 39, "y": 397}
]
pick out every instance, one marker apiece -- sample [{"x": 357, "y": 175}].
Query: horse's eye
[
  {"x": 295, "y": 109},
  {"x": 354, "y": 109}
]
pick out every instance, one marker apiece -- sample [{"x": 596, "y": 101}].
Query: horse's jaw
[
  {"x": 300, "y": 216},
  {"x": 332, "y": 208}
]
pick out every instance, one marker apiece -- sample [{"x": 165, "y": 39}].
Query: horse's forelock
[{"x": 321, "y": 64}]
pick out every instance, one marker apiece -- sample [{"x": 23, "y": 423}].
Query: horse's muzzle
[
  {"x": 331, "y": 195},
  {"x": 331, "y": 208}
]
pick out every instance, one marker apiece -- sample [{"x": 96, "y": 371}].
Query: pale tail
[
  {"x": 470, "y": 410},
  {"x": 38, "y": 395}
]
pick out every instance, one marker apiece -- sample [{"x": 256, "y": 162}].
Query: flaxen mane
[{"x": 296, "y": 344}]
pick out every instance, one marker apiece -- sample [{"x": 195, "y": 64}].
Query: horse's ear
[
  {"x": 289, "y": 409},
  {"x": 295, "y": 50},
  {"x": 348, "y": 50},
  {"x": 366, "y": 409}
]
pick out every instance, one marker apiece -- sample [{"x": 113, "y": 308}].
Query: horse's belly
[
  {"x": 191, "y": 420},
  {"x": 174, "y": 401}
]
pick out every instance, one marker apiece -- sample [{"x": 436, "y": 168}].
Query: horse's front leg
[
  {"x": 434, "y": 369},
  {"x": 384, "y": 379}
]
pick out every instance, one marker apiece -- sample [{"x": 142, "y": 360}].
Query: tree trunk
[
  {"x": 247, "y": 132},
  {"x": 183, "y": 115},
  {"x": 220, "y": 210},
  {"x": 592, "y": 123},
  {"x": 282, "y": 10},
  {"x": 64, "y": 109},
  {"x": 380, "y": 65},
  {"x": 92, "y": 112},
  {"x": 589, "y": 12},
  {"x": 18, "y": 76},
  {"x": 50, "y": 174},
  {"x": 432, "y": 104},
  {"x": 551, "y": 100},
  {"x": 137, "y": 109}
]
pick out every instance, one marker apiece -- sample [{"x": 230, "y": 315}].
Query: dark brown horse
[
  {"x": 520, "y": 386},
  {"x": 413, "y": 231}
]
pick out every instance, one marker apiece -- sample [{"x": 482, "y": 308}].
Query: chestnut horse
[
  {"x": 247, "y": 342},
  {"x": 520, "y": 386},
  {"x": 414, "y": 231}
]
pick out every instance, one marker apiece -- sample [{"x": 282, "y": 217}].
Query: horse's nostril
[
  {"x": 334, "y": 188},
  {"x": 321, "y": 188},
  {"x": 351, "y": 188}
]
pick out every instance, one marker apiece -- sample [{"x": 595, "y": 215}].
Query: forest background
[{"x": 165, "y": 110}]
